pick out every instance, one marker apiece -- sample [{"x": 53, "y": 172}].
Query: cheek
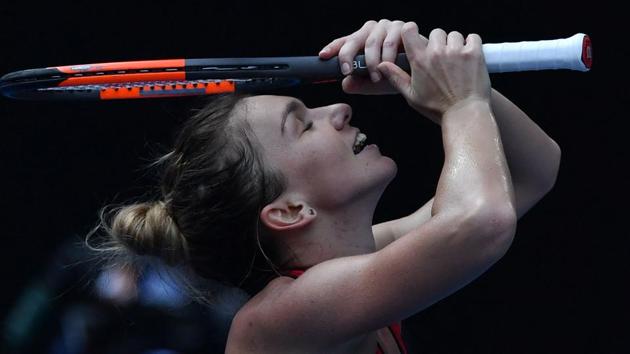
[
  {"x": 325, "y": 173},
  {"x": 318, "y": 159}
]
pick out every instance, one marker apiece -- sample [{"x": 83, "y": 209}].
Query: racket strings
[
  {"x": 164, "y": 88},
  {"x": 92, "y": 74},
  {"x": 145, "y": 85},
  {"x": 120, "y": 72},
  {"x": 161, "y": 70},
  {"x": 189, "y": 69}
]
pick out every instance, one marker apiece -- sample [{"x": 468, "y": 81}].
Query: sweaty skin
[{"x": 327, "y": 209}]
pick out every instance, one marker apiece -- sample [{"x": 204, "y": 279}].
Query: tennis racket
[{"x": 192, "y": 77}]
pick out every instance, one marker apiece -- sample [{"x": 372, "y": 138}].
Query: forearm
[
  {"x": 475, "y": 168},
  {"x": 533, "y": 157}
]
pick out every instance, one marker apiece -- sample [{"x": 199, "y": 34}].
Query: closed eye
[{"x": 309, "y": 125}]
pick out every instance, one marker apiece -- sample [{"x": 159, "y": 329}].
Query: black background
[{"x": 560, "y": 288}]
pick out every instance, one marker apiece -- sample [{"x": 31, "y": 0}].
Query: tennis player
[{"x": 267, "y": 194}]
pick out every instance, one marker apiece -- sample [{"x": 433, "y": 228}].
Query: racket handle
[{"x": 573, "y": 53}]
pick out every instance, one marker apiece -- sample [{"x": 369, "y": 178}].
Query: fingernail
[
  {"x": 375, "y": 76},
  {"x": 345, "y": 68},
  {"x": 324, "y": 51}
]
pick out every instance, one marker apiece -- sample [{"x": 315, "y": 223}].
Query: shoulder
[
  {"x": 261, "y": 301},
  {"x": 248, "y": 331}
]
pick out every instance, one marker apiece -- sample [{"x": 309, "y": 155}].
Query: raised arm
[
  {"x": 533, "y": 156},
  {"x": 525, "y": 145},
  {"x": 472, "y": 225}
]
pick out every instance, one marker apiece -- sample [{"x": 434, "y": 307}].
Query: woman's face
[{"x": 313, "y": 147}]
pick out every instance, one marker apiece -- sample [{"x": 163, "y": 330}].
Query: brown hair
[{"x": 212, "y": 187}]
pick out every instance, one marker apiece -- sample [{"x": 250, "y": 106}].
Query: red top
[{"x": 389, "y": 339}]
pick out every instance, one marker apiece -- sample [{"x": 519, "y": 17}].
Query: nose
[{"x": 341, "y": 115}]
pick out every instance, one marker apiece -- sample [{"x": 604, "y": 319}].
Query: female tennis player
[{"x": 267, "y": 194}]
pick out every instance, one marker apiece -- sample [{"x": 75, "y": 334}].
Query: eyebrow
[{"x": 290, "y": 107}]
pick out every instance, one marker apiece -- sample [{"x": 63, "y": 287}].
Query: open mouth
[{"x": 359, "y": 143}]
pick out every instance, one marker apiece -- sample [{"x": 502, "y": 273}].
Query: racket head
[{"x": 165, "y": 78}]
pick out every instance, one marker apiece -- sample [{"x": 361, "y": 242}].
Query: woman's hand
[
  {"x": 446, "y": 70},
  {"x": 380, "y": 40}
]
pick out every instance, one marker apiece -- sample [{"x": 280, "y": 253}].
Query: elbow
[
  {"x": 497, "y": 223},
  {"x": 557, "y": 155},
  {"x": 547, "y": 183}
]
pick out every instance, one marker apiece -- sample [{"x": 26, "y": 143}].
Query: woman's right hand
[{"x": 446, "y": 71}]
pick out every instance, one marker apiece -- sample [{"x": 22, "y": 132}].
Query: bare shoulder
[
  {"x": 247, "y": 331},
  {"x": 345, "y": 298},
  {"x": 260, "y": 302}
]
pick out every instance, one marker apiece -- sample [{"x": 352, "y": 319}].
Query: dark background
[{"x": 560, "y": 288}]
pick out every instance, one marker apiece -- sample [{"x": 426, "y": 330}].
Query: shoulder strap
[
  {"x": 293, "y": 273},
  {"x": 390, "y": 341}
]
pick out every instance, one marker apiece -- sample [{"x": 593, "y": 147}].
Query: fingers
[
  {"x": 332, "y": 48},
  {"x": 413, "y": 42},
  {"x": 373, "y": 49},
  {"x": 397, "y": 78},
  {"x": 455, "y": 40},
  {"x": 437, "y": 38},
  {"x": 352, "y": 45},
  {"x": 380, "y": 40},
  {"x": 392, "y": 41},
  {"x": 473, "y": 47},
  {"x": 473, "y": 40},
  {"x": 364, "y": 86},
  {"x": 382, "y": 45},
  {"x": 395, "y": 81}
]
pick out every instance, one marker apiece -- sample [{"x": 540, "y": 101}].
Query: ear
[{"x": 287, "y": 216}]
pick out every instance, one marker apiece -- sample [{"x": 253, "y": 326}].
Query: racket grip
[{"x": 573, "y": 53}]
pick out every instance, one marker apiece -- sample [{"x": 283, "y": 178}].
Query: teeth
[{"x": 359, "y": 143}]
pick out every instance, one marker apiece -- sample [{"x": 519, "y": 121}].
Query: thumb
[{"x": 396, "y": 76}]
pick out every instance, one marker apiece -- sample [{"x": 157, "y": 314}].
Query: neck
[{"x": 333, "y": 234}]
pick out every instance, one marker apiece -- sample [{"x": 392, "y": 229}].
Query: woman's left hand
[{"x": 381, "y": 41}]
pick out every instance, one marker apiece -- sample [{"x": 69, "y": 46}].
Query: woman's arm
[
  {"x": 533, "y": 157},
  {"x": 525, "y": 145},
  {"x": 472, "y": 227}
]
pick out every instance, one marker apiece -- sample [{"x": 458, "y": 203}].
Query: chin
[
  {"x": 387, "y": 173},
  {"x": 392, "y": 168}
]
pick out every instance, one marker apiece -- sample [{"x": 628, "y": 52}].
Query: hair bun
[{"x": 148, "y": 229}]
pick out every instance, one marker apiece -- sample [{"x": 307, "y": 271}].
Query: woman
[{"x": 264, "y": 180}]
